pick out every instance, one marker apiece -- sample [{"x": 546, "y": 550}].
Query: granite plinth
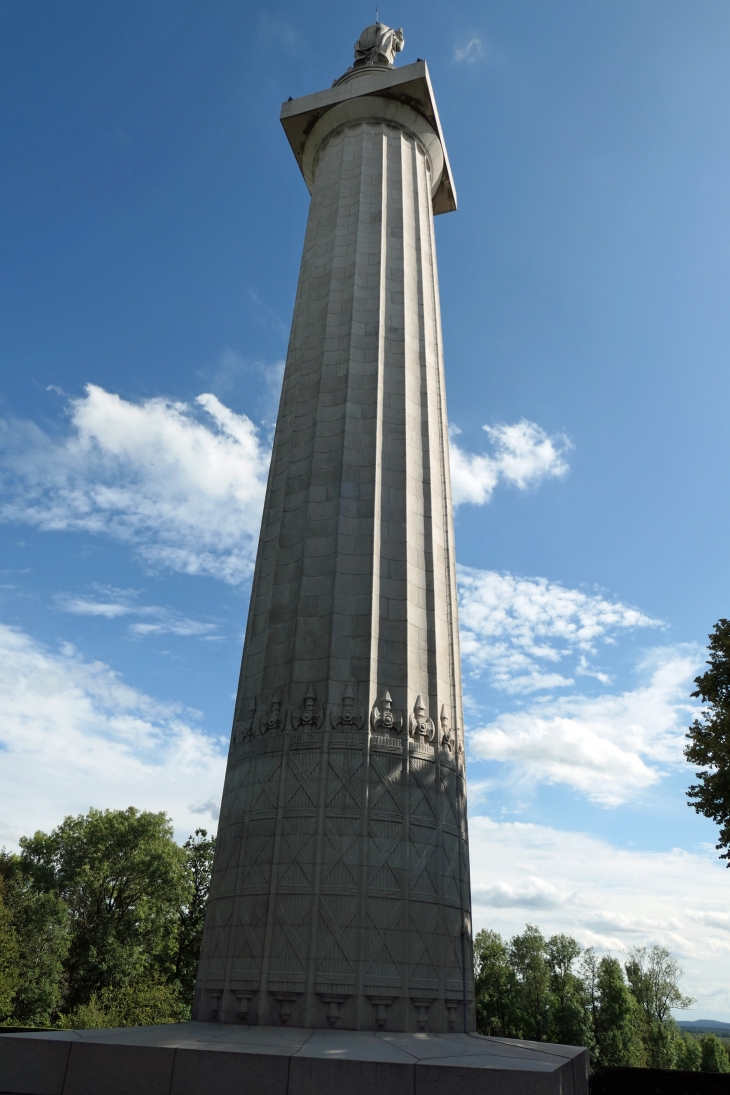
[{"x": 227, "y": 1059}]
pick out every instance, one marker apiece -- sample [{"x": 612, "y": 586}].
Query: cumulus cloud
[
  {"x": 607, "y": 747},
  {"x": 74, "y": 735},
  {"x": 608, "y": 897},
  {"x": 523, "y": 457},
  {"x": 184, "y": 484},
  {"x": 517, "y": 630},
  {"x": 113, "y": 603}
]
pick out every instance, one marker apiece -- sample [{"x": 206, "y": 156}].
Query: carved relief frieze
[
  {"x": 347, "y": 715},
  {"x": 384, "y": 720},
  {"x": 246, "y": 729},
  {"x": 310, "y": 715},
  {"x": 275, "y": 718},
  {"x": 420, "y": 727},
  {"x": 447, "y": 737}
]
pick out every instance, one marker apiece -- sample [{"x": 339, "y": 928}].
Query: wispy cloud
[
  {"x": 609, "y": 897},
  {"x": 184, "y": 484},
  {"x": 524, "y": 455},
  {"x": 472, "y": 51},
  {"x": 74, "y": 735},
  {"x": 112, "y": 603},
  {"x": 608, "y": 747},
  {"x": 518, "y": 630}
]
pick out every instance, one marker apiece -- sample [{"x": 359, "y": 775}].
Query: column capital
[{"x": 409, "y": 85}]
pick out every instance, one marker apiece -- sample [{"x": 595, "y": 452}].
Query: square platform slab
[{"x": 223, "y": 1059}]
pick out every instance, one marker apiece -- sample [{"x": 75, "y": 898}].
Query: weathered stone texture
[{"x": 340, "y": 893}]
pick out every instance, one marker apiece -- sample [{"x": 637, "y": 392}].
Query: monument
[
  {"x": 340, "y": 890},
  {"x": 337, "y": 948}
]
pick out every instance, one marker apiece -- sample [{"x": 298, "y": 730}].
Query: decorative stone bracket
[
  {"x": 285, "y": 1000},
  {"x": 309, "y": 716},
  {"x": 381, "y": 1005},
  {"x": 334, "y": 1001},
  {"x": 383, "y": 719},
  {"x": 275, "y": 717},
  {"x": 420, "y": 726},
  {"x": 346, "y": 716},
  {"x": 422, "y": 1004}
]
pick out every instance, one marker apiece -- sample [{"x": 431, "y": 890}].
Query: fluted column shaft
[{"x": 340, "y": 892}]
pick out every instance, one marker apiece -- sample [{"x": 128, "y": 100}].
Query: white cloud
[
  {"x": 113, "y": 603},
  {"x": 523, "y": 457},
  {"x": 609, "y": 897},
  {"x": 472, "y": 51},
  {"x": 185, "y": 488},
  {"x": 518, "y": 629},
  {"x": 74, "y": 735},
  {"x": 607, "y": 747}
]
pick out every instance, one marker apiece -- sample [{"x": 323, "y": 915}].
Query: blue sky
[{"x": 152, "y": 223}]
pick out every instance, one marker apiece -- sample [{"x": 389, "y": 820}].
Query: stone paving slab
[{"x": 227, "y": 1059}]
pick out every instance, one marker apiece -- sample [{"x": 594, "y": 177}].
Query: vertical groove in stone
[{"x": 340, "y": 878}]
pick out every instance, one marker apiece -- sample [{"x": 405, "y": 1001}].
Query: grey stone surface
[
  {"x": 223, "y": 1059},
  {"x": 39, "y": 1066},
  {"x": 340, "y": 893}
]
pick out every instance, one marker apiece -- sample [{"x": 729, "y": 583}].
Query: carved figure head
[{"x": 378, "y": 44}]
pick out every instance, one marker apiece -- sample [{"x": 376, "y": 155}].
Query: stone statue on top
[{"x": 378, "y": 44}]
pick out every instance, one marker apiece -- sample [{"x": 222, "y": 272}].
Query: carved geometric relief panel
[
  {"x": 344, "y": 780},
  {"x": 383, "y": 940},
  {"x": 290, "y": 936},
  {"x": 337, "y": 939},
  {"x": 386, "y": 779},
  {"x": 341, "y": 844},
  {"x": 385, "y": 867},
  {"x": 302, "y": 779},
  {"x": 422, "y": 881},
  {"x": 422, "y": 779}
]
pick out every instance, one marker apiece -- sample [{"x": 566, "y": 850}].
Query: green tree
[
  {"x": 41, "y": 924},
  {"x": 495, "y": 985},
  {"x": 529, "y": 959},
  {"x": 143, "y": 1004},
  {"x": 714, "y": 1054},
  {"x": 191, "y": 916},
  {"x": 124, "y": 880},
  {"x": 689, "y": 1053},
  {"x": 618, "y": 1020},
  {"x": 570, "y": 1017},
  {"x": 9, "y": 953},
  {"x": 709, "y": 738},
  {"x": 654, "y": 975}
]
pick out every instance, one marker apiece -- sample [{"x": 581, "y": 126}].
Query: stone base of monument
[{"x": 222, "y": 1059}]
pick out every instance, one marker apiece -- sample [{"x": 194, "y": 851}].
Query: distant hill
[{"x": 705, "y": 1026}]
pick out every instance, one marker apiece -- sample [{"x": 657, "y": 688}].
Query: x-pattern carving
[
  {"x": 424, "y": 791},
  {"x": 303, "y": 776},
  {"x": 341, "y": 843},
  {"x": 265, "y": 772},
  {"x": 337, "y": 930},
  {"x": 425, "y": 854},
  {"x": 381, "y": 932},
  {"x": 289, "y": 928},
  {"x": 385, "y": 850},
  {"x": 293, "y": 848},
  {"x": 245, "y": 922},
  {"x": 423, "y": 937},
  {"x": 387, "y": 782},
  {"x": 346, "y": 778}
]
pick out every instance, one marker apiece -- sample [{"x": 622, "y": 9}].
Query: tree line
[
  {"x": 549, "y": 990},
  {"x": 101, "y": 922}
]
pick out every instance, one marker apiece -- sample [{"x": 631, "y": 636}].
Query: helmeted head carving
[{"x": 378, "y": 44}]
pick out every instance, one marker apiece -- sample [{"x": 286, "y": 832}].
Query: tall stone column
[{"x": 340, "y": 893}]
